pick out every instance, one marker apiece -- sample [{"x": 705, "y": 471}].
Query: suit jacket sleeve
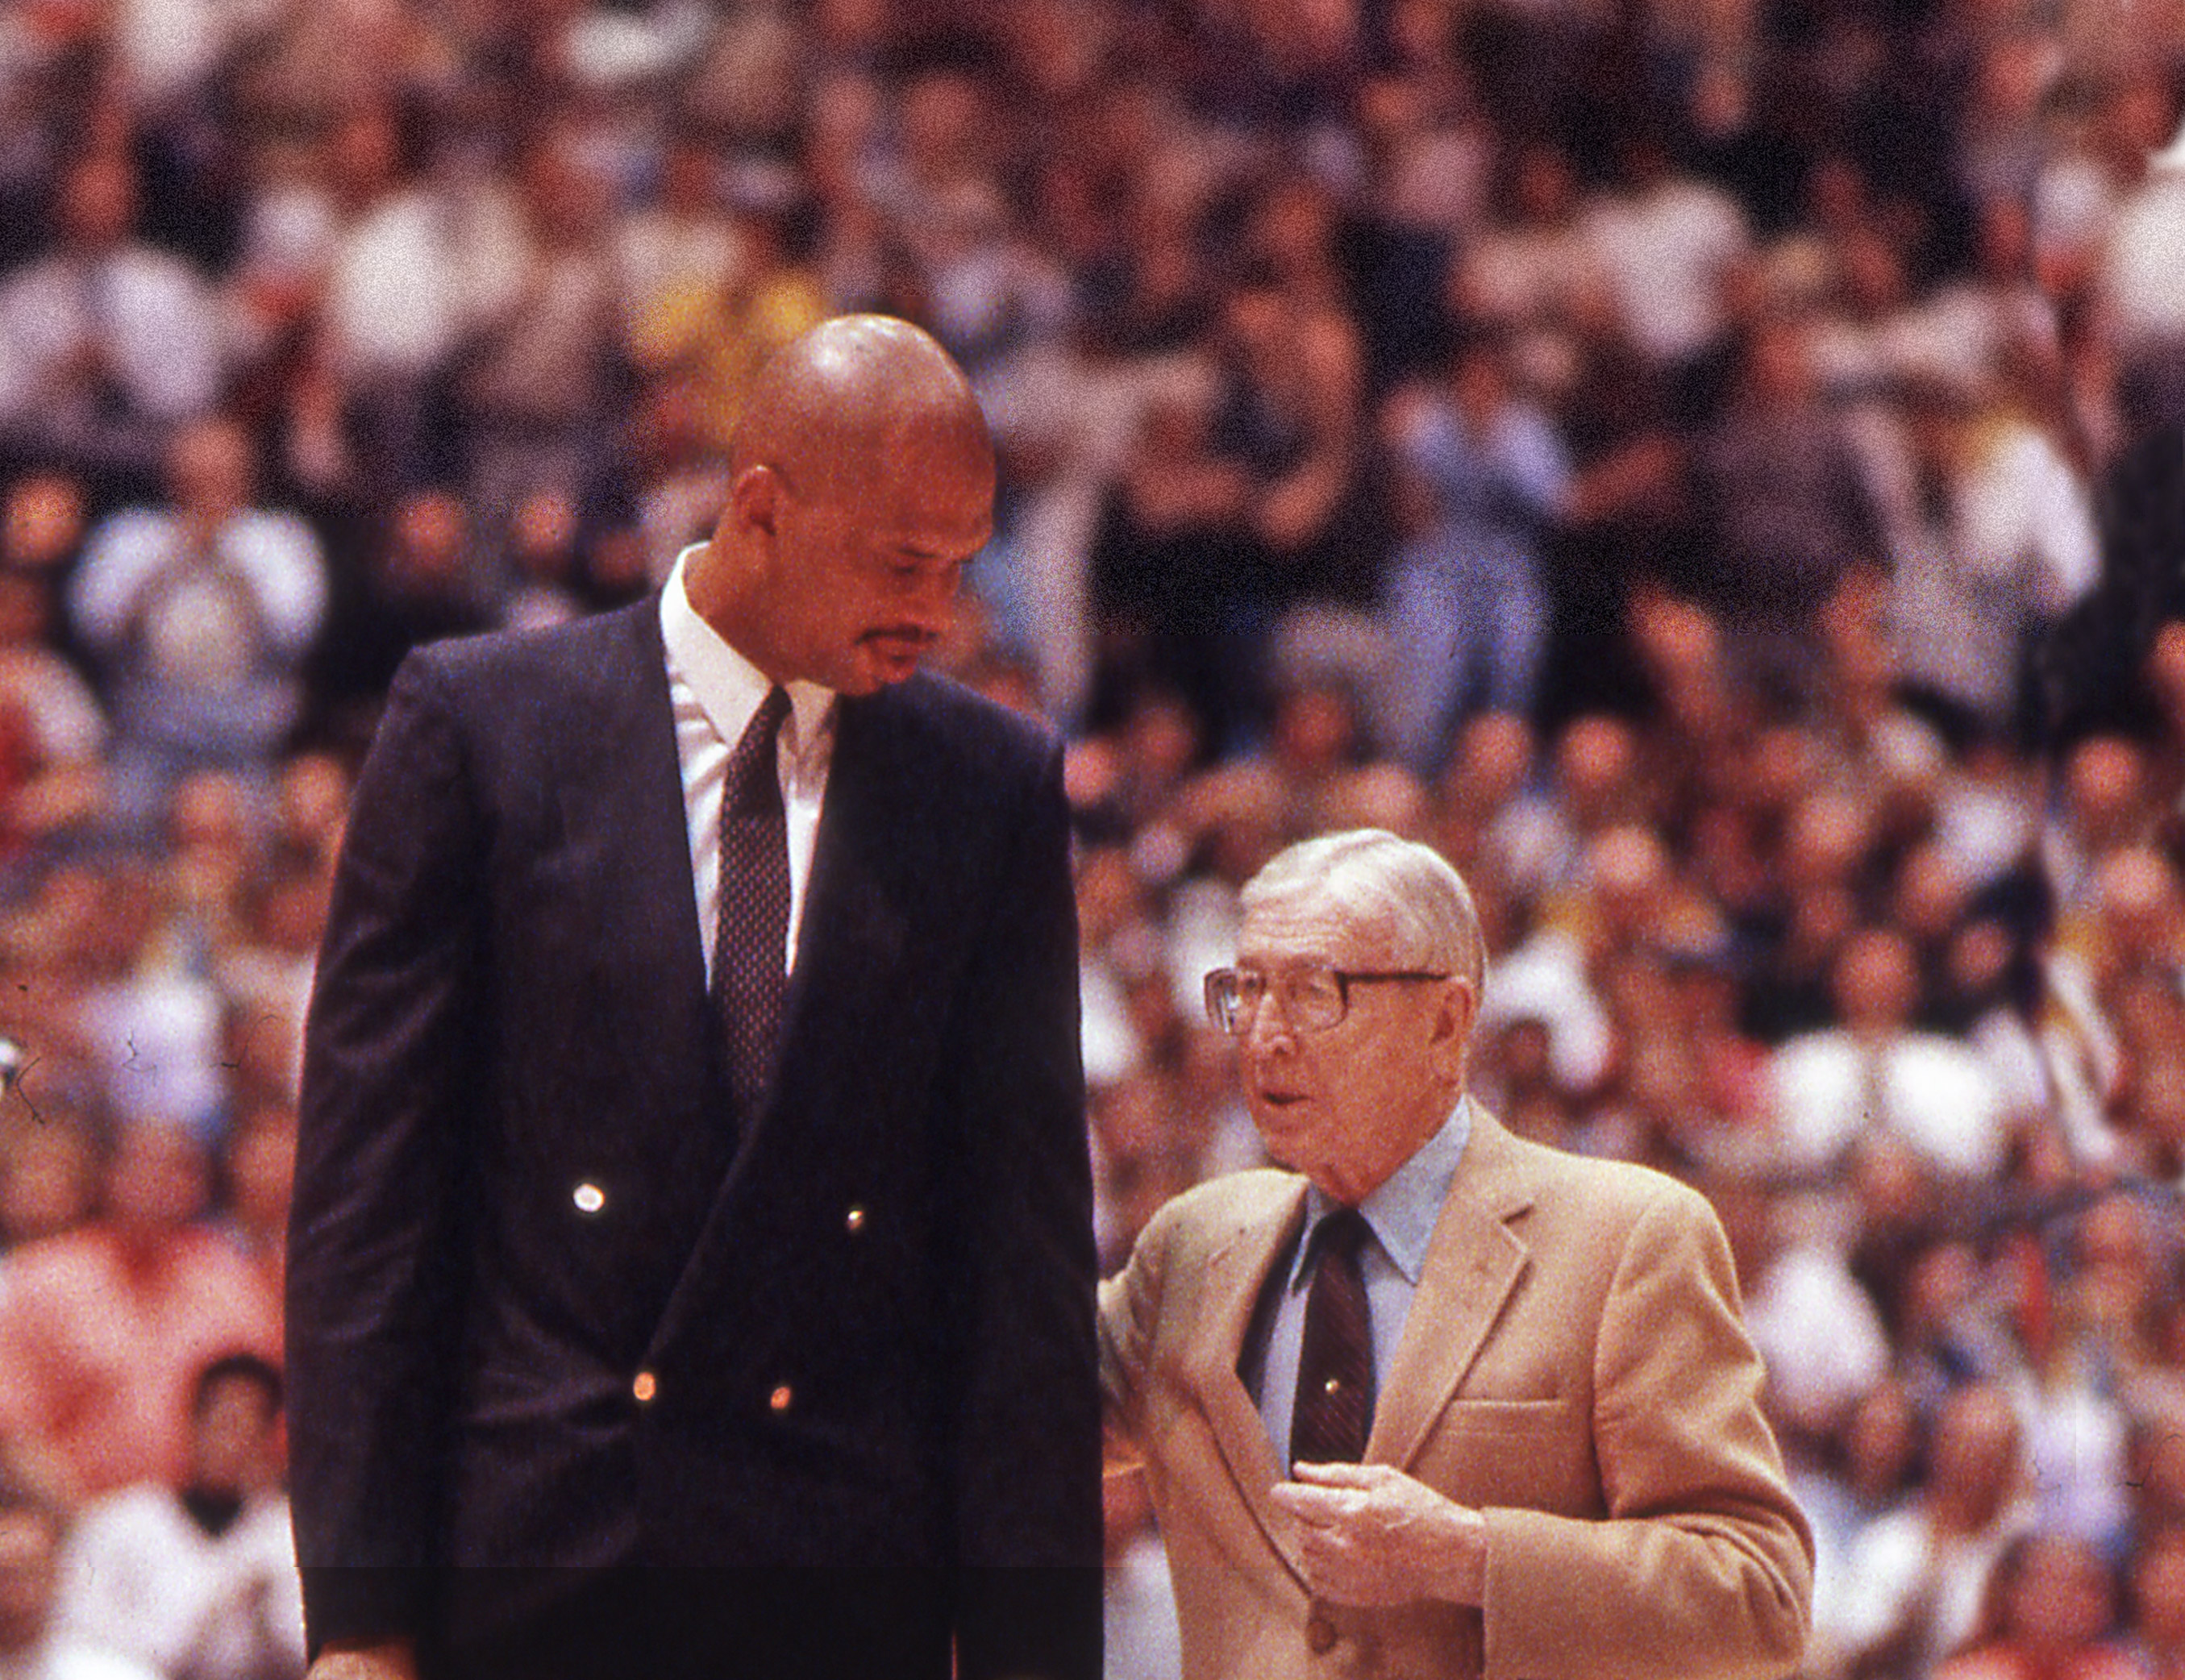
[
  {"x": 1703, "y": 1564},
  {"x": 1026, "y": 1406},
  {"x": 371, "y": 1322},
  {"x": 1129, "y": 1312}
]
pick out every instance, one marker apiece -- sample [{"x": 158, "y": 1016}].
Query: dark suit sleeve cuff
[
  {"x": 363, "y": 1604},
  {"x": 1029, "y": 1623}
]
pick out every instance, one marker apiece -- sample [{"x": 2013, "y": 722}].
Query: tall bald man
[{"x": 691, "y": 1269}]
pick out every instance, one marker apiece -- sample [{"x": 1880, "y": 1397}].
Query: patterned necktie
[
  {"x": 1334, "y": 1408},
  {"x": 751, "y": 933}
]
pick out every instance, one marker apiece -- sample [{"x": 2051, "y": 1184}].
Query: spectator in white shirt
[
  {"x": 31, "y": 1534},
  {"x": 423, "y": 257},
  {"x": 198, "y": 1581},
  {"x": 106, "y": 344},
  {"x": 1667, "y": 244},
  {"x": 1872, "y": 1073},
  {"x": 201, "y": 613},
  {"x": 2142, "y": 288},
  {"x": 1915, "y": 1579},
  {"x": 1997, "y": 544}
]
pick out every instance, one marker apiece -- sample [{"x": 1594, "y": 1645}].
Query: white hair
[{"x": 1404, "y": 889}]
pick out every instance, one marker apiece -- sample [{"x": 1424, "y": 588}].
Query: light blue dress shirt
[{"x": 1401, "y": 1215}]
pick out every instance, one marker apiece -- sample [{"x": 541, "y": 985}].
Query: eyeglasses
[{"x": 1312, "y": 999}]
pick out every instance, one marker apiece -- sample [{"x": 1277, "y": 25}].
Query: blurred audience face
[
  {"x": 1974, "y": 1466},
  {"x": 43, "y": 523},
  {"x": 235, "y": 1435},
  {"x": 1829, "y": 837},
  {"x": 2104, "y": 784},
  {"x": 1315, "y": 727},
  {"x": 364, "y": 154},
  {"x": 2158, "y": 1592},
  {"x": 542, "y": 542},
  {"x": 431, "y": 547},
  {"x": 52, "y": 1179},
  {"x": 209, "y": 470},
  {"x": 261, "y": 1172},
  {"x": 2165, "y": 674},
  {"x": 1493, "y": 760},
  {"x": 1778, "y": 367},
  {"x": 1881, "y": 1443},
  {"x": 314, "y": 802},
  {"x": 156, "y": 1182},
  {"x": 2056, "y": 1596},
  {"x": 1595, "y": 762},
  {"x": 98, "y": 201},
  {"x": 2136, "y": 893},
  {"x": 945, "y": 126},
  {"x": 29, "y": 1544},
  {"x": 25, "y": 611},
  {"x": 565, "y": 197}
]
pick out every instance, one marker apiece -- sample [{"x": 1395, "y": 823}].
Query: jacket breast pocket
[{"x": 1535, "y": 1454}]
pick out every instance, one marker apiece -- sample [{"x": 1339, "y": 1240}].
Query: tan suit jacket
[{"x": 1574, "y": 1366}]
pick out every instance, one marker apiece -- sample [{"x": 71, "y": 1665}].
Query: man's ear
[
  {"x": 753, "y": 508},
  {"x": 1456, "y": 1010}
]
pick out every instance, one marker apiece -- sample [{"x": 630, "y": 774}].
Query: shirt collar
[
  {"x": 727, "y": 686},
  {"x": 1403, "y": 1210}
]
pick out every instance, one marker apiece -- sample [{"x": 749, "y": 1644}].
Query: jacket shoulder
[
  {"x": 568, "y": 659},
  {"x": 1605, "y": 1192},
  {"x": 935, "y": 718},
  {"x": 1210, "y": 1215}
]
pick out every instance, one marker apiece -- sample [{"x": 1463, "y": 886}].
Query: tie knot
[
  {"x": 1342, "y": 1234},
  {"x": 767, "y": 720},
  {"x": 751, "y": 774}
]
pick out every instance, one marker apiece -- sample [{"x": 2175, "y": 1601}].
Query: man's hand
[
  {"x": 1372, "y": 1536},
  {"x": 395, "y": 1659}
]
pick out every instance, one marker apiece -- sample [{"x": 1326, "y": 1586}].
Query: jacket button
[
  {"x": 854, "y": 1220},
  {"x": 782, "y": 1398},
  {"x": 645, "y": 1387},
  {"x": 589, "y": 1197},
  {"x": 1319, "y": 1635}
]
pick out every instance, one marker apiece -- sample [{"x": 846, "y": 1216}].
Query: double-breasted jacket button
[
  {"x": 783, "y": 1397},
  {"x": 854, "y": 1220},
  {"x": 645, "y": 1387},
  {"x": 589, "y": 1197},
  {"x": 1319, "y": 1635}
]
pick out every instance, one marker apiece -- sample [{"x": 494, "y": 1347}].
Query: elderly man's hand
[{"x": 1372, "y": 1536}]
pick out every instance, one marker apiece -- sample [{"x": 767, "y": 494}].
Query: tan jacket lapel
[
  {"x": 1235, "y": 1274},
  {"x": 1472, "y": 1263}
]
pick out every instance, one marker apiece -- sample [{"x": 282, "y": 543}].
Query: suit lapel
[
  {"x": 1235, "y": 1275},
  {"x": 867, "y": 861},
  {"x": 1472, "y": 1263},
  {"x": 639, "y": 734},
  {"x": 618, "y": 809}
]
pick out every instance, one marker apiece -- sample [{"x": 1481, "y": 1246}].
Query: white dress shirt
[{"x": 715, "y": 692}]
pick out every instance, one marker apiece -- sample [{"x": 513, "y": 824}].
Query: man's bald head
[
  {"x": 862, "y": 483},
  {"x": 853, "y": 396}
]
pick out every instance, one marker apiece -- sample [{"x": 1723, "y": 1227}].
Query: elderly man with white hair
[{"x": 1436, "y": 1400}]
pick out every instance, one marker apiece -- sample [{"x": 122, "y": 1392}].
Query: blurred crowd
[{"x": 1716, "y": 468}]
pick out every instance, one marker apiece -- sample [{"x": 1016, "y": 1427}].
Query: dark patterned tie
[
  {"x": 1334, "y": 1406},
  {"x": 751, "y": 933}
]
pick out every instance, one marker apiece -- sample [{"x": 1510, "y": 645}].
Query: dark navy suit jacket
[{"x": 833, "y": 1394}]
